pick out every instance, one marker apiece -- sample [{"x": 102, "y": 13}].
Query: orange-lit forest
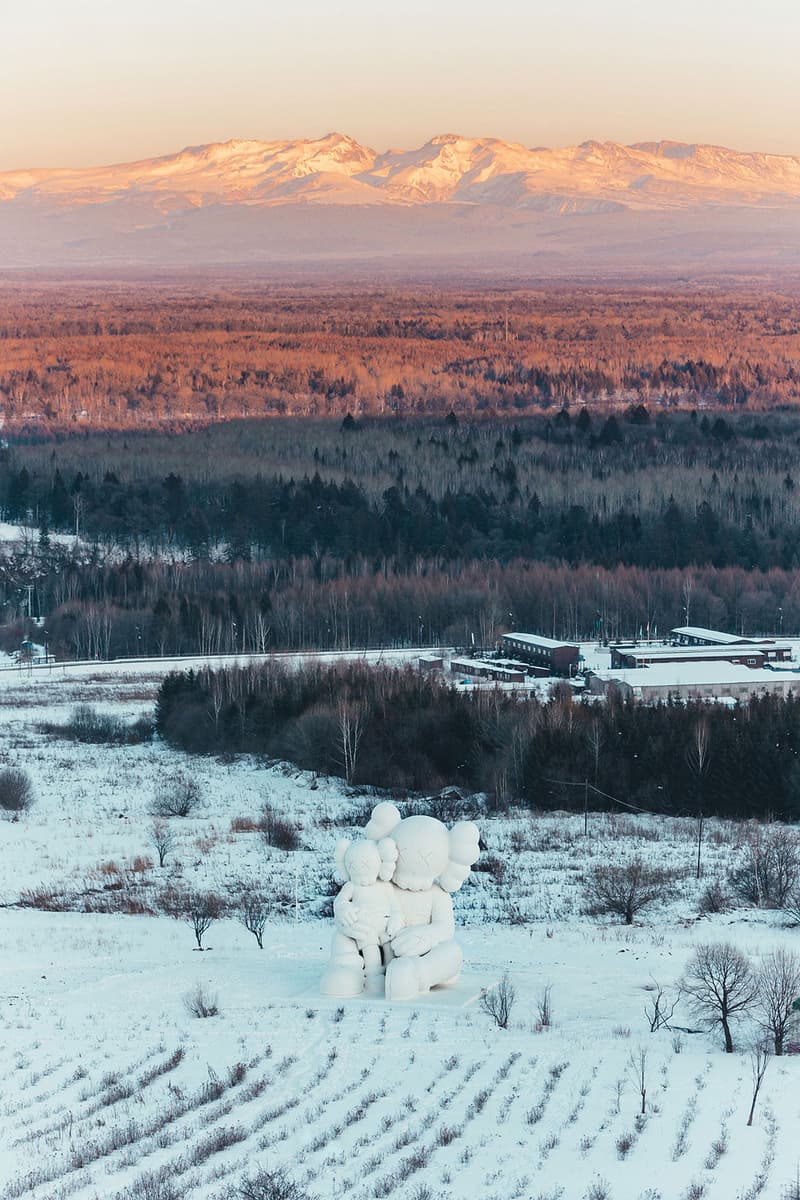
[
  {"x": 438, "y": 466},
  {"x": 132, "y": 355}
]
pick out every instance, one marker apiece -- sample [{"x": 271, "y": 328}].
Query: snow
[
  {"x": 106, "y": 1077},
  {"x": 594, "y": 176}
]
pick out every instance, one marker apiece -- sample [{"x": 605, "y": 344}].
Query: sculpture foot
[
  {"x": 403, "y": 979},
  {"x": 451, "y": 981},
  {"x": 342, "y": 983}
]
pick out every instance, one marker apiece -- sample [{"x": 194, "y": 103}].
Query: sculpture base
[{"x": 465, "y": 992}]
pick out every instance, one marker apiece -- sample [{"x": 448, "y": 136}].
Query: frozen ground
[{"x": 108, "y": 1087}]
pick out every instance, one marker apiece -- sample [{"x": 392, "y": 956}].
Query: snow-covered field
[{"x": 109, "y": 1087}]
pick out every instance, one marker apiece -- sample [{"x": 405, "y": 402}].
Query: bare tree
[
  {"x": 721, "y": 985},
  {"x": 351, "y": 731},
  {"x": 686, "y": 591},
  {"x": 637, "y": 1066},
  {"x": 759, "y": 1061},
  {"x": 660, "y": 1010},
  {"x": 778, "y": 990},
  {"x": 594, "y": 740},
  {"x": 198, "y": 909},
  {"x": 252, "y": 911},
  {"x": 162, "y": 840},
  {"x": 625, "y": 891},
  {"x": 498, "y": 1001},
  {"x": 697, "y": 756}
]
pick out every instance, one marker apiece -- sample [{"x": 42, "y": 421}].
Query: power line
[{"x": 587, "y": 787}]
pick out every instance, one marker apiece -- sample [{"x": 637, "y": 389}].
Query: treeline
[
  {"x": 400, "y": 729},
  {"x": 170, "y": 353},
  {"x": 143, "y": 608},
  {"x": 670, "y": 494}
]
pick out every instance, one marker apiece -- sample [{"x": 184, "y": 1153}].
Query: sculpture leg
[
  {"x": 410, "y": 975},
  {"x": 344, "y": 976},
  {"x": 373, "y": 966}
]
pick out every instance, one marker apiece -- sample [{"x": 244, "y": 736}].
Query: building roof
[
  {"x": 710, "y": 635},
  {"x": 657, "y": 653},
  {"x": 694, "y": 674},
  {"x": 484, "y": 664},
  {"x": 546, "y": 643}
]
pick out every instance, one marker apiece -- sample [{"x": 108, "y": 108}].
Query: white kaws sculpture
[{"x": 412, "y": 926}]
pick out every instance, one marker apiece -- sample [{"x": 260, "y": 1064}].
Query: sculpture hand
[{"x": 416, "y": 940}]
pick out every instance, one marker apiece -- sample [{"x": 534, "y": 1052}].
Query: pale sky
[{"x": 87, "y": 82}]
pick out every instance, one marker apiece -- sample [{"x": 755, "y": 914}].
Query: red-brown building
[{"x": 558, "y": 658}]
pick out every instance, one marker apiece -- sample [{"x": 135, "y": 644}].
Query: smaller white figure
[{"x": 366, "y": 912}]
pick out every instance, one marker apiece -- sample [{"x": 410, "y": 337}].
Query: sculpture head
[
  {"x": 427, "y": 852},
  {"x": 365, "y": 862}
]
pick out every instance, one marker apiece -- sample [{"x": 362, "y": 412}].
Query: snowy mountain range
[{"x": 501, "y": 192}]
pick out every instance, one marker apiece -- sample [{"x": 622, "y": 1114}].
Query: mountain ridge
[
  {"x": 451, "y": 203},
  {"x": 593, "y": 176}
]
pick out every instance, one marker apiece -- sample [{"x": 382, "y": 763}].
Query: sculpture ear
[
  {"x": 465, "y": 843},
  {"x": 464, "y": 851},
  {"x": 383, "y": 820},
  {"x": 388, "y": 852},
  {"x": 342, "y": 847}
]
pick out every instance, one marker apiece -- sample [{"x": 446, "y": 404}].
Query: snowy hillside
[{"x": 111, "y": 1088}]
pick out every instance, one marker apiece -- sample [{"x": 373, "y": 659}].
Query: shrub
[
  {"x": 598, "y": 1190},
  {"x": 179, "y": 799},
  {"x": 16, "y": 791},
  {"x": 714, "y": 899},
  {"x": 155, "y": 1185},
  {"x": 86, "y": 724},
  {"x": 200, "y": 1003},
  {"x": 770, "y": 870},
  {"x": 277, "y": 831},
  {"x": 625, "y": 891},
  {"x": 497, "y": 1002},
  {"x": 276, "y": 1184}
]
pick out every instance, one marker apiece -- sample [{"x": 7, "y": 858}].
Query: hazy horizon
[{"x": 88, "y": 84}]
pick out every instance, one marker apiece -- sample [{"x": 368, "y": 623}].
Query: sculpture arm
[{"x": 347, "y": 916}]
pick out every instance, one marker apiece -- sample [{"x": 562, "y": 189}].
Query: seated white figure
[
  {"x": 366, "y": 913},
  {"x": 431, "y": 862}
]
